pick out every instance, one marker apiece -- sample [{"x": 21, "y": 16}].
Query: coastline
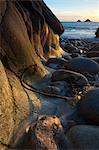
[{"x": 80, "y": 30}]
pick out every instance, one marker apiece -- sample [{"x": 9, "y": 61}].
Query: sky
[{"x": 73, "y": 10}]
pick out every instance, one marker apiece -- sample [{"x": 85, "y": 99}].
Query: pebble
[
  {"x": 83, "y": 65},
  {"x": 89, "y": 106}
]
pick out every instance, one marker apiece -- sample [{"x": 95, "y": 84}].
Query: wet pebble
[
  {"x": 83, "y": 137},
  {"x": 83, "y": 65},
  {"x": 70, "y": 48},
  {"x": 89, "y": 106}
]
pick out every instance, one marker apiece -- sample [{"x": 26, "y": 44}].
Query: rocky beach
[{"x": 49, "y": 82}]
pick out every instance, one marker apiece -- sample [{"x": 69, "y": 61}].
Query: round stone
[
  {"x": 83, "y": 65},
  {"x": 89, "y": 106},
  {"x": 83, "y": 137}
]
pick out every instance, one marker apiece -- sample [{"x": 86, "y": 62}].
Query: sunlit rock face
[
  {"x": 6, "y": 108},
  {"x": 29, "y": 32},
  {"x": 52, "y": 47}
]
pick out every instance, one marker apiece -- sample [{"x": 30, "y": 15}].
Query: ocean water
[{"x": 80, "y": 30}]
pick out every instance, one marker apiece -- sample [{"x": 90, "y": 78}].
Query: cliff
[{"x": 29, "y": 34}]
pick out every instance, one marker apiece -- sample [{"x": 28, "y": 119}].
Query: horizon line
[{"x": 75, "y": 21}]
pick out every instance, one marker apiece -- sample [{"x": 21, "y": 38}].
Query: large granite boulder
[
  {"x": 6, "y": 109},
  {"x": 26, "y": 27},
  {"x": 19, "y": 106},
  {"x": 15, "y": 104},
  {"x": 15, "y": 40}
]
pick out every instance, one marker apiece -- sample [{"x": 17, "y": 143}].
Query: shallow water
[{"x": 80, "y": 30}]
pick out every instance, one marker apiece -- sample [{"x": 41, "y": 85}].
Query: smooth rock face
[
  {"x": 83, "y": 137},
  {"x": 15, "y": 104},
  {"x": 21, "y": 99},
  {"x": 83, "y": 65},
  {"x": 6, "y": 109},
  {"x": 89, "y": 106},
  {"x": 30, "y": 36}
]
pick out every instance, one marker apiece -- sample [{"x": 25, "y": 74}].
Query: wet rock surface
[
  {"x": 83, "y": 65},
  {"x": 82, "y": 75},
  {"x": 83, "y": 137},
  {"x": 89, "y": 106}
]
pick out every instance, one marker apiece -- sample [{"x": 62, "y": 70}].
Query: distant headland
[
  {"x": 87, "y": 20},
  {"x": 78, "y": 20}
]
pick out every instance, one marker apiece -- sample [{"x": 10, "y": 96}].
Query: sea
[{"x": 80, "y": 30}]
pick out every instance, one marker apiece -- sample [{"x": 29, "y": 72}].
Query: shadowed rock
[
  {"x": 89, "y": 106},
  {"x": 97, "y": 32},
  {"x": 83, "y": 137},
  {"x": 83, "y": 65}
]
